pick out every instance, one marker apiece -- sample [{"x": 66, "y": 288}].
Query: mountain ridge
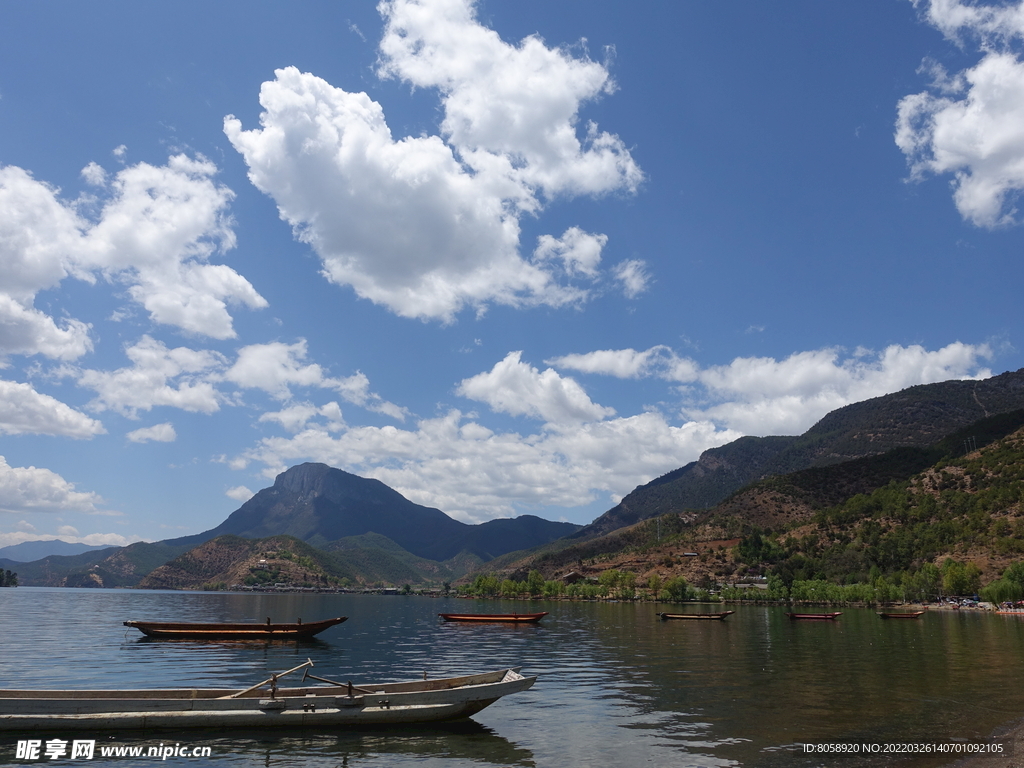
[{"x": 913, "y": 417}]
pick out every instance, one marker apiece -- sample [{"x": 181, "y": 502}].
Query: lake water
[{"x": 617, "y": 687}]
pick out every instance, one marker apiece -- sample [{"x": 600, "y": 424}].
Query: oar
[
  {"x": 272, "y": 680},
  {"x": 335, "y": 682}
]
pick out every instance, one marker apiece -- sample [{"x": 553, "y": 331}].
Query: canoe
[
  {"x": 814, "y": 616},
  {"x": 901, "y": 615},
  {"x": 336, "y": 704},
  {"x": 233, "y": 631},
  {"x": 705, "y": 616},
  {"x": 519, "y": 618}
]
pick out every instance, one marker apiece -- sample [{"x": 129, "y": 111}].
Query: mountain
[
  {"x": 28, "y": 551},
  {"x": 961, "y": 498},
  {"x": 916, "y": 417},
  {"x": 325, "y": 507},
  {"x": 315, "y": 502},
  {"x": 228, "y": 560},
  {"x": 368, "y": 559}
]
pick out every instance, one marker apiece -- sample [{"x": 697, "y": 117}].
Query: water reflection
[
  {"x": 468, "y": 742},
  {"x": 616, "y": 686}
]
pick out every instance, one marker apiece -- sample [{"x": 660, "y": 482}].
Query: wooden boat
[
  {"x": 815, "y": 616},
  {"x": 901, "y": 615},
  {"x": 233, "y": 631},
  {"x": 698, "y": 616},
  {"x": 519, "y": 618},
  {"x": 336, "y": 704}
]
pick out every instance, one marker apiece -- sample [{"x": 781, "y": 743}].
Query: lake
[{"x": 617, "y": 687}]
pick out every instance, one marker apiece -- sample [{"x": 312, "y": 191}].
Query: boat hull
[
  {"x": 696, "y": 616},
  {"x": 317, "y": 707},
  {"x": 517, "y": 618},
  {"x": 814, "y": 616},
  {"x": 903, "y": 615},
  {"x": 232, "y": 631}
]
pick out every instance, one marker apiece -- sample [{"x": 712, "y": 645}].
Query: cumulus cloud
[
  {"x": 579, "y": 251},
  {"x": 179, "y": 377},
  {"x": 295, "y": 418},
  {"x": 971, "y": 124},
  {"x": 276, "y": 367},
  {"x": 160, "y": 433},
  {"x": 24, "y": 411},
  {"x": 583, "y": 451},
  {"x": 38, "y": 237},
  {"x": 621, "y": 363},
  {"x": 456, "y": 464},
  {"x": 511, "y": 109},
  {"x": 35, "y": 489},
  {"x": 156, "y": 230},
  {"x": 239, "y": 493},
  {"x": 428, "y": 225},
  {"x": 198, "y": 381},
  {"x": 519, "y": 389},
  {"x": 765, "y": 396}
]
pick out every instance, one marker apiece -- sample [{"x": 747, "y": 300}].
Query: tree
[
  {"x": 676, "y": 590},
  {"x": 654, "y": 583},
  {"x": 959, "y": 578},
  {"x": 535, "y": 582}
]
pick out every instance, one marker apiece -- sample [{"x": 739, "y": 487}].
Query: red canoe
[
  {"x": 815, "y": 616},
  {"x": 513, "y": 617},
  {"x": 705, "y": 616},
  {"x": 233, "y": 631},
  {"x": 901, "y": 615}
]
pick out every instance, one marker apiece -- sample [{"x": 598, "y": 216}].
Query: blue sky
[{"x": 506, "y": 258}]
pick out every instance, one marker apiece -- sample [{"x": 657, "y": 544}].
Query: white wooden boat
[{"x": 262, "y": 706}]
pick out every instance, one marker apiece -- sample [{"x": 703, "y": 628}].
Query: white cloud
[
  {"x": 160, "y": 433},
  {"x": 459, "y": 465},
  {"x": 621, "y": 363},
  {"x": 276, "y": 367},
  {"x": 519, "y": 389},
  {"x": 178, "y": 377},
  {"x": 157, "y": 227},
  {"x": 512, "y": 109},
  {"x": 38, "y": 237},
  {"x": 239, "y": 493},
  {"x": 971, "y": 124},
  {"x": 67, "y": 530},
  {"x": 991, "y": 23},
  {"x": 473, "y": 473},
  {"x": 428, "y": 225},
  {"x": 633, "y": 276},
  {"x": 579, "y": 251},
  {"x": 765, "y": 396},
  {"x": 295, "y": 418},
  {"x": 24, "y": 411},
  {"x": 156, "y": 234},
  {"x": 94, "y": 175},
  {"x": 32, "y": 489}
]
